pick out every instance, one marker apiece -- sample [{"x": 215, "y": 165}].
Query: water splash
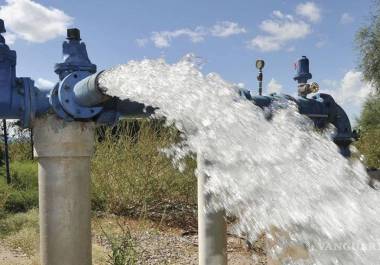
[{"x": 270, "y": 174}]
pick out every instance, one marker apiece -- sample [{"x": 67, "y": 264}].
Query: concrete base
[
  {"x": 212, "y": 229},
  {"x": 63, "y": 150}
]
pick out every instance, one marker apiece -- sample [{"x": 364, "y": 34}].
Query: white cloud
[
  {"x": 278, "y": 32},
  {"x": 310, "y": 11},
  {"x": 162, "y": 39},
  {"x": 226, "y": 28},
  {"x": 31, "y": 21},
  {"x": 223, "y": 29},
  {"x": 265, "y": 43},
  {"x": 274, "y": 87},
  {"x": 350, "y": 92},
  {"x": 44, "y": 83},
  {"x": 346, "y": 18},
  {"x": 280, "y": 15}
]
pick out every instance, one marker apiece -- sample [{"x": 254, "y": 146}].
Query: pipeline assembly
[{"x": 64, "y": 118}]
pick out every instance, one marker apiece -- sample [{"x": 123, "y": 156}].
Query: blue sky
[{"x": 228, "y": 35}]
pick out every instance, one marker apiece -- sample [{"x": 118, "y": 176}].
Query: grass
[
  {"x": 20, "y": 232},
  {"x": 122, "y": 246},
  {"x": 130, "y": 176},
  {"x": 22, "y": 194}
]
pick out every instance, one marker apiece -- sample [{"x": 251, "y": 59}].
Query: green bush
[
  {"x": 14, "y": 223},
  {"x": 22, "y": 194},
  {"x": 130, "y": 172},
  {"x": 20, "y": 150},
  {"x": 21, "y": 201},
  {"x": 24, "y": 175},
  {"x": 369, "y": 125}
]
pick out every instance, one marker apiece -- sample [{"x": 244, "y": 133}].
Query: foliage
[
  {"x": 369, "y": 125},
  {"x": 14, "y": 223},
  {"x": 20, "y": 147},
  {"x": 370, "y": 115},
  {"x": 122, "y": 246},
  {"x": 368, "y": 43},
  {"x": 130, "y": 172},
  {"x": 22, "y": 194},
  {"x": 21, "y": 201},
  {"x": 20, "y": 231}
]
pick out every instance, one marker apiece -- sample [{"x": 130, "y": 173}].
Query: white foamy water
[{"x": 278, "y": 173}]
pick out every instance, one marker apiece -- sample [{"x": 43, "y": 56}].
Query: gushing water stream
[{"x": 270, "y": 174}]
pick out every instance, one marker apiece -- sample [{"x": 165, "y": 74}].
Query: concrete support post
[
  {"x": 212, "y": 229},
  {"x": 63, "y": 150}
]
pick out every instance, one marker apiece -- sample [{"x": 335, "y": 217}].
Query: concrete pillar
[
  {"x": 212, "y": 229},
  {"x": 63, "y": 150}
]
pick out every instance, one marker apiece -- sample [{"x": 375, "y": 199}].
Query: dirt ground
[
  {"x": 14, "y": 257},
  {"x": 154, "y": 245}
]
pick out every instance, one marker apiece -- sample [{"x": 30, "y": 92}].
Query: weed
[
  {"x": 131, "y": 176},
  {"x": 122, "y": 246}
]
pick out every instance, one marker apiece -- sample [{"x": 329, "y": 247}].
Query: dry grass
[{"x": 130, "y": 176}]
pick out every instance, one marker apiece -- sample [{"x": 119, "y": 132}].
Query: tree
[
  {"x": 369, "y": 124},
  {"x": 368, "y": 42}
]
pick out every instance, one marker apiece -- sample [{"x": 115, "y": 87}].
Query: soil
[{"x": 154, "y": 245}]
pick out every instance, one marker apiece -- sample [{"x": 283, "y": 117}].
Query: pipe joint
[{"x": 65, "y": 102}]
